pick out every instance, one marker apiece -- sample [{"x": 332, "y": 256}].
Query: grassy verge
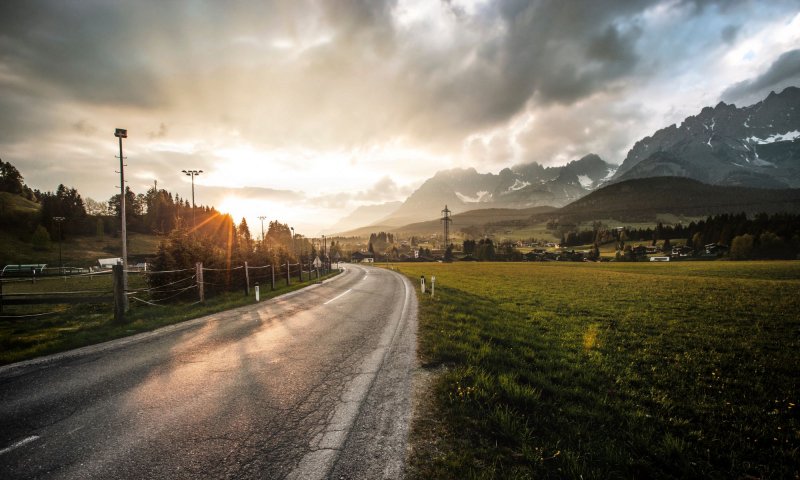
[
  {"x": 609, "y": 371},
  {"x": 81, "y": 325}
]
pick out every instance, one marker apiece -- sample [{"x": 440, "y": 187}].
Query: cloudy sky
[{"x": 303, "y": 110}]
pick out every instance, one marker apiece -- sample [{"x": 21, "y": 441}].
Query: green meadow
[{"x": 586, "y": 370}]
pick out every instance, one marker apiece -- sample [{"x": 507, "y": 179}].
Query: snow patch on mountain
[
  {"x": 611, "y": 172},
  {"x": 518, "y": 185},
  {"x": 585, "y": 181},
  {"x": 784, "y": 137}
]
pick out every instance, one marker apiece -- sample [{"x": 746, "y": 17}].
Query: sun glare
[
  {"x": 239, "y": 207},
  {"x": 251, "y": 209}
]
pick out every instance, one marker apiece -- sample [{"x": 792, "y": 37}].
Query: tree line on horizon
[{"x": 761, "y": 236}]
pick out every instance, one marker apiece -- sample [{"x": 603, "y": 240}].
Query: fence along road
[{"x": 313, "y": 384}]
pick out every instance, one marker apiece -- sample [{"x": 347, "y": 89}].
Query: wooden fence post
[
  {"x": 246, "y": 281},
  {"x": 272, "y": 270},
  {"x": 300, "y": 270},
  {"x": 288, "y": 274},
  {"x": 200, "y": 290},
  {"x": 119, "y": 294}
]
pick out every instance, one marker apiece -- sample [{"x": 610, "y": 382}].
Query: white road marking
[
  {"x": 22, "y": 442},
  {"x": 327, "y": 445},
  {"x": 337, "y": 297}
]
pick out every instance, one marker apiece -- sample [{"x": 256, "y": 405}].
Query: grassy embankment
[
  {"x": 77, "y": 251},
  {"x": 80, "y": 325},
  {"x": 684, "y": 370}
]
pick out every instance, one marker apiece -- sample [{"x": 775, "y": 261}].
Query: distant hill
[
  {"x": 644, "y": 199},
  {"x": 472, "y": 218},
  {"x": 476, "y": 218},
  {"x": 10, "y": 202}
]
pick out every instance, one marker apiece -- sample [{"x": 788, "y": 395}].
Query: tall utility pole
[
  {"x": 262, "y": 218},
  {"x": 123, "y": 133},
  {"x": 192, "y": 173},
  {"x": 58, "y": 221},
  {"x": 446, "y": 221}
]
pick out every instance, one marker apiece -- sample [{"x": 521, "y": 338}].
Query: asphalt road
[{"x": 314, "y": 384}]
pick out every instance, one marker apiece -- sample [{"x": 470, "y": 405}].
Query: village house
[{"x": 362, "y": 257}]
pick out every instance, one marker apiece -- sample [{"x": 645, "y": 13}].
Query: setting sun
[{"x": 251, "y": 209}]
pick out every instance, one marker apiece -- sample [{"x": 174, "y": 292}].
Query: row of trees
[
  {"x": 762, "y": 236},
  {"x": 481, "y": 250},
  {"x": 222, "y": 246}
]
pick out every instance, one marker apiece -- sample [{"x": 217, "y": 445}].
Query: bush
[
  {"x": 40, "y": 239},
  {"x": 742, "y": 247}
]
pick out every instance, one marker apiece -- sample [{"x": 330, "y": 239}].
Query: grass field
[
  {"x": 78, "y": 251},
  {"x": 80, "y": 325},
  {"x": 684, "y": 370}
]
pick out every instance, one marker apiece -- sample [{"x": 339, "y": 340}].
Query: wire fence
[{"x": 22, "y": 297}]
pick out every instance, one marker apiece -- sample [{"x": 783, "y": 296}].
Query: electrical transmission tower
[{"x": 446, "y": 221}]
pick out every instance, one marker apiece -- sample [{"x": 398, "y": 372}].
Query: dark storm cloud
[
  {"x": 500, "y": 59},
  {"x": 549, "y": 52},
  {"x": 783, "y": 72},
  {"x": 85, "y": 50}
]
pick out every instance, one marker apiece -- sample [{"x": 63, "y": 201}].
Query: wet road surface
[{"x": 314, "y": 384}]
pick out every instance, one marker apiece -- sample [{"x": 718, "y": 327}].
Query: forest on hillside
[{"x": 188, "y": 235}]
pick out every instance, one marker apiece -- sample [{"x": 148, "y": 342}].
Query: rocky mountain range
[
  {"x": 522, "y": 186},
  {"x": 757, "y": 146}
]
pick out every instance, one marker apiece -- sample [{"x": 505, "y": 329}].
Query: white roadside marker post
[
  {"x": 433, "y": 285},
  {"x": 422, "y": 283},
  {"x": 258, "y": 296}
]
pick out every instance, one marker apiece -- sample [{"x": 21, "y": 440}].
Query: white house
[{"x": 107, "y": 263}]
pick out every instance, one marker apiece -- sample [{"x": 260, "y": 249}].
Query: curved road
[{"x": 313, "y": 384}]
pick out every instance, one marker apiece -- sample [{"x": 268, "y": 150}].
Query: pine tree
[{"x": 10, "y": 179}]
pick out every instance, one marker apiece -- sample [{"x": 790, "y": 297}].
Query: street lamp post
[
  {"x": 192, "y": 173},
  {"x": 58, "y": 221},
  {"x": 123, "y": 133},
  {"x": 262, "y": 218},
  {"x": 292, "y": 229}
]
